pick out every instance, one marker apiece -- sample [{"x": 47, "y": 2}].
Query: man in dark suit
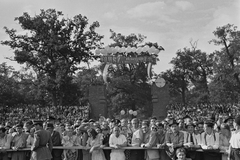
[
  {"x": 56, "y": 140},
  {"x": 42, "y": 145}
]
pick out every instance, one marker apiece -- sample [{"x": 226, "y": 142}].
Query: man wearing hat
[
  {"x": 56, "y": 141},
  {"x": 192, "y": 142},
  {"x": 210, "y": 141},
  {"x": 174, "y": 139},
  {"x": 235, "y": 140},
  {"x": 42, "y": 146},
  {"x": 229, "y": 120},
  {"x": 19, "y": 141}
]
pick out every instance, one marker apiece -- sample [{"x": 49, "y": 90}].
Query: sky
[{"x": 170, "y": 23}]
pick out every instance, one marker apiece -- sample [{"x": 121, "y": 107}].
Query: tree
[
  {"x": 191, "y": 70},
  {"x": 226, "y": 83},
  {"x": 9, "y": 95},
  {"x": 54, "y": 47}
]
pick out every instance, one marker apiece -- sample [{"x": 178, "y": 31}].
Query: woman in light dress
[
  {"x": 224, "y": 140},
  {"x": 94, "y": 143},
  {"x": 69, "y": 140}
]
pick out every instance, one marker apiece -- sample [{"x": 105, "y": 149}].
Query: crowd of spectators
[{"x": 178, "y": 136}]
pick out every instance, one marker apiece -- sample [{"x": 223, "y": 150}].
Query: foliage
[
  {"x": 54, "y": 47},
  {"x": 226, "y": 82},
  {"x": 191, "y": 70}
]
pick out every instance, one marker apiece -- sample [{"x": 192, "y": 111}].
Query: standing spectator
[
  {"x": 94, "y": 142},
  {"x": 27, "y": 126},
  {"x": 79, "y": 142},
  {"x": 224, "y": 139},
  {"x": 137, "y": 138},
  {"x": 30, "y": 138},
  {"x": 19, "y": 141},
  {"x": 192, "y": 142},
  {"x": 150, "y": 140},
  {"x": 235, "y": 140},
  {"x": 56, "y": 141},
  {"x": 42, "y": 146},
  {"x": 161, "y": 133},
  {"x": 69, "y": 140},
  {"x": 117, "y": 141},
  {"x": 5, "y": 143},
  {"x": 106, "y": 134},
  {"x": 174, "y": 139},
  {"x": 210, "y": 141},
  {"x": 199, "y": 127},
  {"x": 229, "y": 121}
]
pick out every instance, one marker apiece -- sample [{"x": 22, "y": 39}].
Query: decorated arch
[{"x": 128, "y": 55}]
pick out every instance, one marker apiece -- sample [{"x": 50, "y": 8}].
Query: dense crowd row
[{"x": 176, "y": 138}]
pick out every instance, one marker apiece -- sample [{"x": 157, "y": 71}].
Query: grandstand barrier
[
  {"x": 109, "y": 148},
  {"x": 123, "y": 148}
]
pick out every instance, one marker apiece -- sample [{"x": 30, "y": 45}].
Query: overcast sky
[{"x": 170, "y": 23}]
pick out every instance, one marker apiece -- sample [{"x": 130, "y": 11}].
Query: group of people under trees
[{"x": 105, "y": 139}]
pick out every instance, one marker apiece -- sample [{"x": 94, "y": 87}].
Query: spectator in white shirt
[
  {"x": 117, "y": 141},
  {"x": 210, "y": 141}
]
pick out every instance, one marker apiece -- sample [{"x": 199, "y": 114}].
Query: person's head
[
  {"x": 67, "y": 126},
  {"x": 181, "y": 123},
  {"x": 129, "y": 123},
  {"x": 225, "y": 129},
  {"x": 200, "y": 127},
  {"x": 124, "y": 129},
  {"x": 229, "y": 121},
  {"x": 92, "y": 133},
  {"x": 27, "y": 126},
  {"x": 38, "y": 125},
  {"x": 98, "y": 130},
  {"x": 70, "y": 131},
  {"x": 190, "y": 127},
  {"x": 2, "y": 131},
  {"x": 78, "y": 131},
  {"x": 104, "y": 125},
  {"x": 208, "y": 127},
  {"x": 160, "y": 126},
  {"x": 124, "y": 122},
  {"x": 145, "y": 126},
  {"x": 116, "y": 131},
  {"x": 134, "y": 123},
  {"x": 50, "y": 127},
  {"x": 32, "y": 130},
  {"x": 112, "y": 123},
  {"x": 19, "y": 128},
  {"x": 154, "y": 128},
  {"x": 236, "y": 123},
  {"x": 181, "y": 153},
  {"x": 174, "y": 126},
  {"x": 153, "y": 120},
  {"x": 11, "y": 130},
  {"x": 62, "y": 127}
]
